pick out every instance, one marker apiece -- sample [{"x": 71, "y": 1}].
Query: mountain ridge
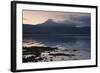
[{"x": 53, "y": 27}]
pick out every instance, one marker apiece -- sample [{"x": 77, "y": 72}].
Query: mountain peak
[{"x": 50, "y": 21}]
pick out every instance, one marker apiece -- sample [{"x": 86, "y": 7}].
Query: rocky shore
[{"x": 46, "y": 54}]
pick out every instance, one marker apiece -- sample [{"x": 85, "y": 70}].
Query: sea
[{"x": 61, "y": 41}]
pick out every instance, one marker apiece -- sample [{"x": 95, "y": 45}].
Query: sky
[{"x": 37, "y": 17}]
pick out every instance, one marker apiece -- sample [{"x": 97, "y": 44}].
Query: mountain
[
  {"x": 52, "y": 23},
  {"x": 52, "y": 27}
]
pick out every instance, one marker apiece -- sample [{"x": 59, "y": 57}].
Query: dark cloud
[
  {"x": 79, "y": 21},
  {"x": 85, "y": 20}
]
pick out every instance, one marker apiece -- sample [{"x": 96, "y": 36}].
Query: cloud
[
  {"x": 72, "y": 18},
  {"x": 79, "y": 20}
]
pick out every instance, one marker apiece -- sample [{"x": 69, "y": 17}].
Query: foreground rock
[{"x": 44, "y": 54}]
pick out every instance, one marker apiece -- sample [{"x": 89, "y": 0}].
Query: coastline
[{"x": 47, "y": 54}]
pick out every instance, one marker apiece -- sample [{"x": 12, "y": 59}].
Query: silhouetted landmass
[{"x": 51, "y": 27}]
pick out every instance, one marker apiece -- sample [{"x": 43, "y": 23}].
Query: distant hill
[{"x": 52, "y": 27}]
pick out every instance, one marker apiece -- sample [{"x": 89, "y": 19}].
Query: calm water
[{"x": 61, "y": 41}]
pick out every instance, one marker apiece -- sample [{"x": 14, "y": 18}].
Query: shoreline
[{"x": 47, "y": 54}]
